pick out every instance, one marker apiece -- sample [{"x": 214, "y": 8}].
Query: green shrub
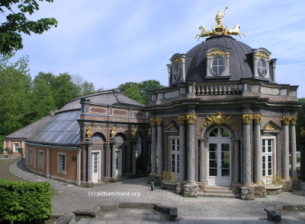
[
  {"x": 24, "y": 201},
  {"x": 1, "y": 150}
]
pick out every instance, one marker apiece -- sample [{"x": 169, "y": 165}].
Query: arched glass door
[{"x": 219, "y": 157}]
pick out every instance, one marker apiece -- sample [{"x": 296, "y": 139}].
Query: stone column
[
  {"x": 153, "y": 145},
  {"x": 78, "y": 177},
  {"x": 285, "y": 155},
  {"x": 247, "y": 119},
  {"x": 191, "y": 132},
  {"x": 181, "y": 120},
  {"x": 159, "y": 122},
  {"x": 89, "y": 162},
  {"x": 236, "y": 168},
  {"x": 113, "y": 161},
  {"x": 258, "y": 163},
  {"x": 133, "y": 149},
  {"x": 202, "y": 161},
  {"x": 293, "y": 144}
]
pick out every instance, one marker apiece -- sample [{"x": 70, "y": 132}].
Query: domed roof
[{"x": 240, "y": 59}]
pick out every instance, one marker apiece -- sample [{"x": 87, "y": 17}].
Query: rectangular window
[
  {"x": 41, "y": 159},
  {"x": 175, "y": 155},
  {"x": 16, "y": 146},
  {"x": 268, "y": 157},
  {"x": 62, "y": 163},
  {"x": 31, "y": 157}
]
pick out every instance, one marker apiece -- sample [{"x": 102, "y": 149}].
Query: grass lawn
[{"x": 5, "y": 173}]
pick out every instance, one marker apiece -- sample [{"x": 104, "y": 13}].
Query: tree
[
  {"x": 140, "y": 91},
  {"x": 148, "y": 86},
  {"x": 17, "y": 23},
  {"x": 15, "y": 85},
  {"x": 64, "y": 89}
]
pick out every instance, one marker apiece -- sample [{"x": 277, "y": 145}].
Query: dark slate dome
[{"x": 240, "y": 59}]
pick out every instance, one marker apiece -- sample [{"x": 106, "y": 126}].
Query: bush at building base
[{"x": 24, "y": 201}]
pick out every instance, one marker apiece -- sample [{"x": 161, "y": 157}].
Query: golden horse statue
[
  {"x": 235, "y": 31},
  {"x": 204, "y": 33}
]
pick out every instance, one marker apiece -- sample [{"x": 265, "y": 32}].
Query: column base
[
  {"x": 247, "y": 193},
  {"x": 260, "y": 191},
  {"x": 287, "y": 185},
  {"x": 190, "y": 190},
  {"x": 296, "y": 183}
]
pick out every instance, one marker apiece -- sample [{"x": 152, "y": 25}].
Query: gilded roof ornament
[{"x": 220, "y": 29}]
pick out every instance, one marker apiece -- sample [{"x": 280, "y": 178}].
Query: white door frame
[
  {"x": 218, "y": 142},
  {"x": 95, "y": 166}
]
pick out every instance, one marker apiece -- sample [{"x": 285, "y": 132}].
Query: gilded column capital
[
  {"x": 257, "y": 118},
  {"x": 286, "y": 119},
  {"x": 181, "y": 119},
  {"x": 191, "y": 118},
  {"x": 293, "y": 120},
  {"x": 247, "y": 118},
  {"x": 153, "y": 121},
  {"x": 159, "y": 121}
]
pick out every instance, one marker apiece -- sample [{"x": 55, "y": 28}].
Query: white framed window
[
  {"x": 31, "y": 159},
  {"x": 41, "y": 159},
  {"x": 268, "y": 156},
  {"x": 16, "y": 146},
  {"x": 262, "y": 67},
  {"x": 174, "y": 146},
  {"x": 218, "y": 66},
  {"x": 61, "y": 165}
]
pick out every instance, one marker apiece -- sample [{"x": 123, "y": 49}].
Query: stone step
[
  {"x": 218, "y": 195},
  {"x": 84, "y": 221}
]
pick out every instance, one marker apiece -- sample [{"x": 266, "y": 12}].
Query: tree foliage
[
  {"x": 140, "y": 91},
  {"x": 15, "y": 87},
  {"x": 17, "y": 23}
]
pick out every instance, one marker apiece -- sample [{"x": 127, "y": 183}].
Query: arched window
[{"x": 98, "y": 137}]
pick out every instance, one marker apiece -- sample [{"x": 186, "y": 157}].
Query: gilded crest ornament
[
  {"x": 262, "y": 55},
  {"x": 269, "y": 127},
  {"x": 220, "y": 29},
  {"x": 133, "y": 132},
  {"x": 218, "y": 119}
]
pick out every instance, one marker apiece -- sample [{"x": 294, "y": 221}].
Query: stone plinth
[
  {"x": 247, "y": 193},
  {"x": 236, "y": 188},
  {"x": 180, "y": 187},
  {"x": 190, "y": 190},
  {"x": 201, "y": 187},
  {"x": 296, "y": 184},
  {"x": 286, "y": 185},
  {"x": 260, "y": 191}
]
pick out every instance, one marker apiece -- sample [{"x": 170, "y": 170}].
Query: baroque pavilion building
[{"x": 223, "y": 122}]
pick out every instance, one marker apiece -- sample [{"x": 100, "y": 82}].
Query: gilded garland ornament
[
  {"x": 181, "y": 119},
  {"x": 153, "y": 121},
  {"x": 293, "y": 120},
  {"x": 191, "y": 118},
  {"x": 286, "y": 119},
  {"x": 159, "y": 121},
  {"x": 218, "y": 119},
  {"x": 247, "y": 118},
  {"x": 257, "y": 118}
]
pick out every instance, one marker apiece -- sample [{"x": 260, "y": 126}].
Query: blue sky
[{"x": 112, "y": 42}]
